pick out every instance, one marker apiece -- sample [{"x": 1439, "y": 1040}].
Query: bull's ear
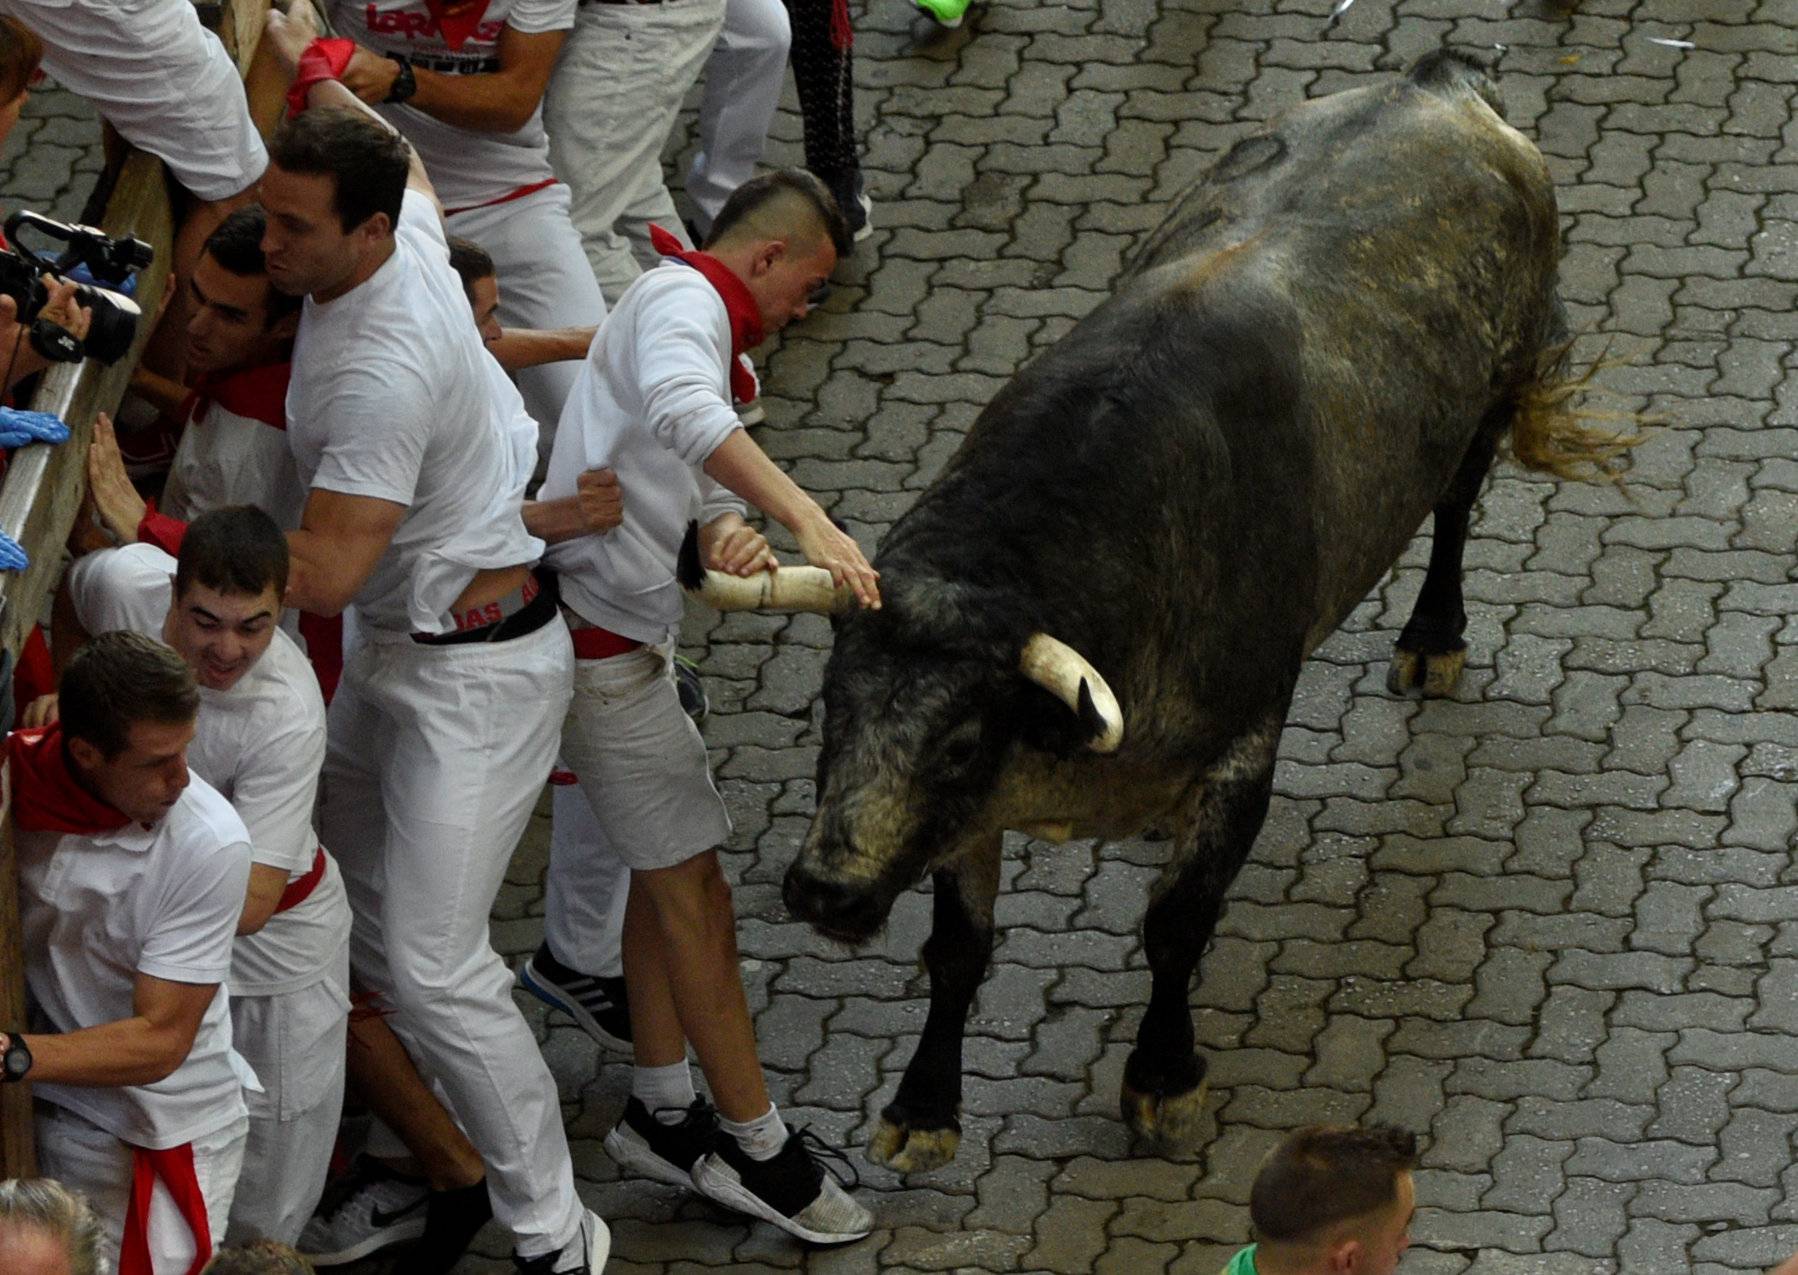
[
  {"x": 1088, "y": 711},
  {"x": 688, "y": 569}
]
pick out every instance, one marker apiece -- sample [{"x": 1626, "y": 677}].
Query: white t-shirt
[
  {"x": 98, "y": 910},
  {"x": 467, "y": 166},
  {"x": 261, "y": 745},
  {"x": 652, "y": 402},
  {"x": 391, "y": 398},
  {"x": 231, "y": 457}
]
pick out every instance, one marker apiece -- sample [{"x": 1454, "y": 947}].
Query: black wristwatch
[
  {"x": 16, "y": 1061},
  {"x": 405, "y": 84}
]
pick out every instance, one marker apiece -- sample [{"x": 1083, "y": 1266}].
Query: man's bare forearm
[
  {"x": 517, "y": 348},
  {"x": 131, "y": 1051}
]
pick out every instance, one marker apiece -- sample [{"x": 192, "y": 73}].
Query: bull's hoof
[
  {"x": 908, "y": 1146},
  {"x": 1435, "y": 673},
  {"x": 1172, "y": 1123}
]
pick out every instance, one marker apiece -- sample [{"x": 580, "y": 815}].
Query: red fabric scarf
[
  {"x": 260, "y": 393},
  {"x": 324, "y": 59},
  {"x": 45, "y": 794},
  {"x": 457, "y": 19},
  {"x": 739, "y": 305},
  {"x": 175, "y": 1167}
]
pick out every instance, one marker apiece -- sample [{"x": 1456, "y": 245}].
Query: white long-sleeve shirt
[{"x": 653, "y": 403}]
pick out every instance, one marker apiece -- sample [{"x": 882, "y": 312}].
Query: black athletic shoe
[
  {"x": 585, "y": 1254},
  {"x": 792, "y": 1190},
  {"x": 691, "y": 690},
  {"x": 452, "y": 1220},
  {"x": 666, "y": 1152},
  {"x": 598, "y": 1005}
]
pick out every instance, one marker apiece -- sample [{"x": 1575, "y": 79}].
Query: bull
[{"x": 1096, "y": 616}]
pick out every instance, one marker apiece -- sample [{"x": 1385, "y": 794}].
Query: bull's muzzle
[{"x": 849, "y": 911}]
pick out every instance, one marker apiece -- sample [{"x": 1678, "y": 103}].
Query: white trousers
[
  {"x": 610, "y": 107},
  {"x": 586, "y": 889},
  {"x": 86, "y": 1158},
  {"x": 295, "y": 1043},
  {"x": 743, "y": 80},
  {"x": 544, "y": 282},
  {"x": 160, "y": 78},
  {"x": 435, "y": 756}
]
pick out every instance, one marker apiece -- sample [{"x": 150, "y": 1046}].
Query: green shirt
[{"x": 1242, "y": 1264}]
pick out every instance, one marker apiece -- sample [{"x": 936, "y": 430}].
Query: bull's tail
[{"x": 1554, "y": 431}]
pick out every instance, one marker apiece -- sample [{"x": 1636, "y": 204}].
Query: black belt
[
  {"x": 624, "y": 1},
  {"x": 532, "y": 616}
]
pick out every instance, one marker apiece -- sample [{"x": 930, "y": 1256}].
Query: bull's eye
[{"x": 960, "y": 746}]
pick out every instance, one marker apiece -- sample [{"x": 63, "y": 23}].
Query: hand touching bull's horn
[{"x": 768, "y": 587}]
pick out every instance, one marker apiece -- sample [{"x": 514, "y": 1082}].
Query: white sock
[
  {"x": 664, "y": 1087},
  {"x": 761, "y": 1138}
]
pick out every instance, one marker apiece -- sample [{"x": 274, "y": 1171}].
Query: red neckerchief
[
  {"x": 739, "y": 305},
  {"x": 324, "y": 59},
  {"x": 457, "y": 19},
  {"x": 259, "y": 393},
  {"x": 45, "y": 794}
]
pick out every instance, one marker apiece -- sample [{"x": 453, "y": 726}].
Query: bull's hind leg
[
  {"x": 1163, "y": 1095},
  {"x": 920, "y": 1129},
  {"x": 1430, "y": 651}
]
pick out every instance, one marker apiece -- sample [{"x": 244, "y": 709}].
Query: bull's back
[{"x": 1412, "y": 235}]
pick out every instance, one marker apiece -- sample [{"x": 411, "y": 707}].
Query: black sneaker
[
  {"x": 792, "y": 1190},
  {"x": 599, "y": 1005},
  {"x": 452, "y": 1220},
  {"x": 666, "y": 1152},
  {"x": 370, "y": 1209},
  {"x": 585, "y": 1254}
]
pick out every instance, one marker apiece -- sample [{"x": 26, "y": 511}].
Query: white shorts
[
  {"x": 160, "y": 78},
  {"x": 641, "y": 761},
  {"x": 86, "y": 1158},
  {"x": 295, "y": 1043}
]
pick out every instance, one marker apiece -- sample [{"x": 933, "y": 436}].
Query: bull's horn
[
  {"x": 783, "y": 589},
  {"x": 1062, "y": 671}
]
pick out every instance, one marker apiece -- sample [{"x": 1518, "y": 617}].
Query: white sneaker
[
  {"x": 792, "y": 1190},
  {"x": 377, "y": 1209},
  {"x": 585, "y": 1254}
]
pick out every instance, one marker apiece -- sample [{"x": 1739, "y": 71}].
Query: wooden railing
[{"x": 44, "y": 485}]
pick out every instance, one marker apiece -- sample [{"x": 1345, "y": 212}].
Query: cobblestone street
[{"x": 1551, "y": 924}]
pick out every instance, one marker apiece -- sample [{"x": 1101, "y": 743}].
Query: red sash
[
  {"x": 298, "y": 891},
  {"x": 600, "y": 644},
  {"x": 46, "y": 797},
  {"x": 259, "y": 393},
  {"x": 175, "y": 1167},
  {"x": 739, "y": 305}
]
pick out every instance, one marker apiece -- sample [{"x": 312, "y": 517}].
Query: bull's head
[{"x": 925, "y": 702}]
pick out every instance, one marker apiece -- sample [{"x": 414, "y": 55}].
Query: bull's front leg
[
  {"x": 920, "y": 1129},
  {"x": 1163, "y": 1092}
]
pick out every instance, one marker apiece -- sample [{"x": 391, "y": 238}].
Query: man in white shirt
[
  {"x": 444, "y": 726},
  {"x": 654, "y": 403},
  {"x": 131, "y": 885},
  {"x": 260, "y": 742},
  {"x": 464, "y": 84}
]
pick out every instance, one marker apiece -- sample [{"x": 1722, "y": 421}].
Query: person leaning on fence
[
  {"x": 1332, "y": 1200},
  {"x": 46, "y": 1229},
  {"x": 131, "y": 884}
]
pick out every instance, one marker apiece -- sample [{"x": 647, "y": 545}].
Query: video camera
[{"x": 99, "y": 265}]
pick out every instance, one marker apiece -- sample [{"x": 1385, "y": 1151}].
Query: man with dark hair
[
  {"x": 464, "y": 85},
  {"x": 1332, "y": 1200},
  {"x": 131, "y": 884},
  {"x": 260, "y": 742},
  {"x": 443, "y": 728},
  {"x": 516, "y": 348},
  {"x": 654, "y": 402}
]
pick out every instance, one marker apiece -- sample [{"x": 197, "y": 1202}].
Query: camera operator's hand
[
  {"x": 370, "y": 76},
  {"x": 60, "y": 308},
  {"x": 109, "y": 487}
]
